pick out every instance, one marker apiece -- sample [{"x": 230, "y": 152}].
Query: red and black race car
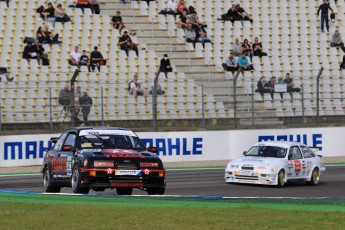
[{"x": 101, "y": 157}]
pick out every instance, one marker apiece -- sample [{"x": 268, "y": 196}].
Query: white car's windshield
[
  {"x": 111, "y": 141},
  {"x": 267, "y": 151}
]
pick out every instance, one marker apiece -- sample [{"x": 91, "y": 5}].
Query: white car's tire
[
  {"x": 281, "y": 178},
  {"x": 315, "y": 177}
]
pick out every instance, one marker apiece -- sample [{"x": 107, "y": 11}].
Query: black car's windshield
[
  {"x": 267, "y": 151},
  {"x": 111, "y": 141}
]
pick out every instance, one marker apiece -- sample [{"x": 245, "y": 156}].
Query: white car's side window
[{"x": 295, "y": 153}]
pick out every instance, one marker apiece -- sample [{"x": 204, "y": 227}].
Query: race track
[{"x": 210, "y": 182}]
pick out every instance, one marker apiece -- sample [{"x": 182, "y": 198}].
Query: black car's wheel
[
  {"x": 155, "y": 191},
  {"x": 281, "y": 178},
  {"x": 48, "y": 184},
  {"x": 315, "y": 177},
  {"x": 124, "y": 191},
  {"x": 76, "y": 181}
]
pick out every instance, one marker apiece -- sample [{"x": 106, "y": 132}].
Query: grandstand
[{"x": 288, "y": 29}]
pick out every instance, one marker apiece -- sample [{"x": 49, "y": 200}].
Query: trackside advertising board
[{"x": 26, "y": 150}]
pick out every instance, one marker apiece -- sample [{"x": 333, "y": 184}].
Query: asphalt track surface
[{"x": 210, "y": 182}]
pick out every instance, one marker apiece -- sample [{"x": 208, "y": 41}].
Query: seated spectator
[
  {"x": 40, "y": 35},
  {"x": 117, "y": 23},
  {"x": 96, "y": 59},
  {"x": 337, "y": 41},
  {"x": 165, "y": 65},
  {"x": 342, "y": 64},
  {"x": 159, "y": 89},
  {"x": 65, "y": 96},
  {"x": 194, "y": 20},
  {"x": 85, "y": 60},
  {"x": 290, "y": 84},
  {"x": 237, "y": 47},
  {"x": 39, "y": 50},
  {"x": 184, "y": 20},
  {"x": 243, "y": 16},
  {"x": 202, "y": 37},
  {"x": 171, "y": 8},
  {"x": 271, "y": 85},
  {"x": 82, "y": 4},
  {"x": 190, "y": 35},
  {"x": 135, "y": 88},
  {"x": 126, "y": 44},
  {"x": 28, "y": 52},
  {"x": 49, "y": 14},
  {"x": 247, "y": 49},
  {"x": 94, "y": 5},
  {"x": 243, "y": 62},
  {"x": 257, "y": 48},
  {"x": 262, "y": 86},
  {"x": 60, "y": 15},
  {"x": 49, "y": 38},
  {"x": 181, "y": 6},
  {"x": 232, "y": 15},
  {"x": 74, "y": 58},
  {"x": 231, "y": 63}
]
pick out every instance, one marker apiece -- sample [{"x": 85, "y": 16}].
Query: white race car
[{"x": 274, "y": 163}]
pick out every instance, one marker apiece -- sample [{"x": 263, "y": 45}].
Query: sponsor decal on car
[
  {"x": 252, "y": 160},
  {"x": 59, "y": 165},
  {"x": 127, "y": 172},
  {"x": 124, "y": 155},
  {"x": 297, "y": 166}
]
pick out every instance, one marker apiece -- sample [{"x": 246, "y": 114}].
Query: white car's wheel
[
  {"x": 315, "y": 177},
  {"x": 281, "y": 178}
]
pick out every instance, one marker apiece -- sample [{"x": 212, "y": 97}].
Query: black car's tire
[
  {"x": 76, "y": 181},
  {"x": 48, "y": 184},
  {"x": 155, "y": 191},
  {"x": 281, "y": 178},
  {"x": 124, "y": 191},
  {"x": 314, "y": 178}
]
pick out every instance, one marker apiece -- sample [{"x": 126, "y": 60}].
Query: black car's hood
[{"x": 120, "y": 153}]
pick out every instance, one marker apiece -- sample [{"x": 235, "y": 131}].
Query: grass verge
[{"x": 117, "y": 212}]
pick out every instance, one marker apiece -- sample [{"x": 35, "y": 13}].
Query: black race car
[{"x": 101, "y": 157}]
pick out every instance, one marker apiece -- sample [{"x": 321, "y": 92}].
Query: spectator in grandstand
[
  {"x": 336, "y": 40},
  {"x": 243, "y": 62},
  {"x": 85, "y": 103},
  {"x": 135, "y": 88},
  {"x": 232, "y": 15},
  {"x": 49, "y": 38},
  {"x": 342, "y": 64},
  {"x": 171, "y": 8},
  {"x": 247, "y": 49},
  {"x": 96, "y": 59},
  {"x": 94, "y": 5},
  {"x": 85, "y": 60},
  {"x": 33, "y": 51},
  {"x": 65, "y": 98},
  {"x": 257, "y": 48},
  {"x": 231, "y": 63},
  {"x": 74, "y": 58},
  {"x": 83, "y": 4},
  {"x": 243, "y": 16},
  {"x": 190, "y": 35},
  {"x": 202, "y": 37},
  {"x": 324, "y": 14},
  {"x": 262, "y": 86},
  {"x": 184, "y": 20},
  {"x": 126, "y": 44},
  {"x": 290, "y": 84},
  {"x": 39, "y": 50},
  {"x": 271, "y": 85},
  {"x": 165, "y": 65},
  {"x": 194, "y": 20},
  {"x": 40, "y": 35},
  {"x": 117, "y": 23},
  {"x": 237, "y": 47},
  {"x": 181, "y": 6},
  {"x": 60, "y": 15},
  {"x": 49, "y": 14}
]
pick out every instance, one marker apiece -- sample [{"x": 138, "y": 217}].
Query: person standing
[
  {"x": 85, "y": 104},
  {"x": 165, "y": 65},
  {"x": 324, "y": 14}
]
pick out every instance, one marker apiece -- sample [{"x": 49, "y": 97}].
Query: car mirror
[
  {"x": 290, "y": 156},
  {"x": 67, "y": 148},
  {"x": 244, "y": 153},
  {"x": 152, "y": 149}
]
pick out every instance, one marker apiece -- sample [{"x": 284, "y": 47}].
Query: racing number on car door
[{"x": 298, "y": 161}]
